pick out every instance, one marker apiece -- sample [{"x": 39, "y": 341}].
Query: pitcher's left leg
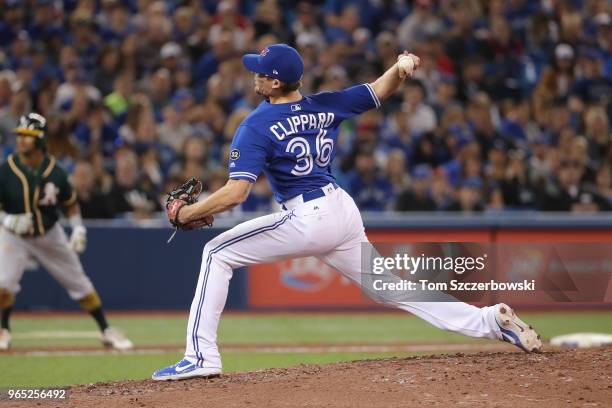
[
  {"x": 265, "y": 239},
  {"x": 261, "y": 240}
]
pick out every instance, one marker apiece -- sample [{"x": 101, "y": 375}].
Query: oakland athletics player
[
  {"x": 33, "y": 188},
  {"x": 292, "y": 139}
]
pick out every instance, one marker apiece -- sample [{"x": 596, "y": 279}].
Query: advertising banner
[
  {"x": 537, "y": 267},
  {"x": 310, "y": 283}
]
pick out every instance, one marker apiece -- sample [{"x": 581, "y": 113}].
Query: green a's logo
[{"x": 50, "y": 193}]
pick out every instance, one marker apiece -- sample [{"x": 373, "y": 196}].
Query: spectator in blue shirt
[
  {"x": 593, "y": 87},
  {"x": 371, "y": 191},
  {"x": 12, "y": 21},
  {"x": 469, "y": 196},
  {"x": 96, "y": 132},
  {"x": 208, "y": 64}
]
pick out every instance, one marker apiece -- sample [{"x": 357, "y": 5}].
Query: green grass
[
  {"x": 333, "y": 328},
  {"x": 357, "y": 328},
  {"x": 381, "y": 328},
  {"x": 27, "y": 371}
]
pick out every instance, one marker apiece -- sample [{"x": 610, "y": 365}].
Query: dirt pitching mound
[{"x": 568, "y": 378}]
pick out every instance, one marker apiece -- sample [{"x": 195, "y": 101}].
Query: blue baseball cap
[{"x": 278, "y": 61}]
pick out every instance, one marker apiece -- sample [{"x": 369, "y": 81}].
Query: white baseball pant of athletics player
[
  {"x": 329, "y": 228},
  {"x": 52, "y": 251}
]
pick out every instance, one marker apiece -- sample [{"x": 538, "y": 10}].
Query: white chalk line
[
  {"x": 55, "y": 334},
  {"x": 93, "y": 353},
  {"x": 408, "y": 348}
]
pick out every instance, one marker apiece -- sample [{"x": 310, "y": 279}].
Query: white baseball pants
[
  {"x": 54, "y": 254},
  {"x": 329, "y": 228}
]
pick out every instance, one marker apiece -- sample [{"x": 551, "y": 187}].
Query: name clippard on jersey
[{"x": 300, "y": 123}]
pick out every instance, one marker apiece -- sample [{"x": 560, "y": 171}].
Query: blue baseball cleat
[
  {"x": 182, "y": 370},
  {"x": 515, "y": 331}
]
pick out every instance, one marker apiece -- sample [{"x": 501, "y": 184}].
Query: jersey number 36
[{"x": 305, "y": 161}]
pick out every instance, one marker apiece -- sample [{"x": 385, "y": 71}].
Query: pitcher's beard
[{"x": 261, "y": 93}]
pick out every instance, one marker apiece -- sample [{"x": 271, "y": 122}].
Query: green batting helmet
[{"x": 35, "y": 125}]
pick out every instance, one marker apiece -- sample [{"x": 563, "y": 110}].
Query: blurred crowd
[{"x": 510, "y": 109}]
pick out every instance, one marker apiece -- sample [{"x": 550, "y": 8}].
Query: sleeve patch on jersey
[{"x": 234, "y": 154}]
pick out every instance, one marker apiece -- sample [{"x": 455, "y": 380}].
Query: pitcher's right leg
[
  {"x": 493, "y": 322},
  {"x": 453, "y": 316}
]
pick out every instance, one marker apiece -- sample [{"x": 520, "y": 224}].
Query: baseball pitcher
[
  {"x": 292, "y": 139},
  {"x": 33, "y": 190}
]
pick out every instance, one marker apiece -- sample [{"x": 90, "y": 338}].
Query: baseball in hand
[{"x": 406, "y": 64}]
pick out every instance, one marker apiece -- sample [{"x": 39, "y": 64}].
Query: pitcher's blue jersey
[{"x": 295, "y": 143}]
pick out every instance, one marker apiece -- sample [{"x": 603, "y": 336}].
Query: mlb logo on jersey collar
[{"x": 296, "y": 108}]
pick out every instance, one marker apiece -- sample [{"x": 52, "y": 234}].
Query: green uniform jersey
[{"x": 42, "y": 192}]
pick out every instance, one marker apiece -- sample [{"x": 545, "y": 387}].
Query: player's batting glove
[
  {"x": 186, "y": 194},
  {"x": 78, "y": 239},
  {"x": 19, "y": 224}
]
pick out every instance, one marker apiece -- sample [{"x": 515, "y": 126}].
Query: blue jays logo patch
[{"x": 264, "y": 52}]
